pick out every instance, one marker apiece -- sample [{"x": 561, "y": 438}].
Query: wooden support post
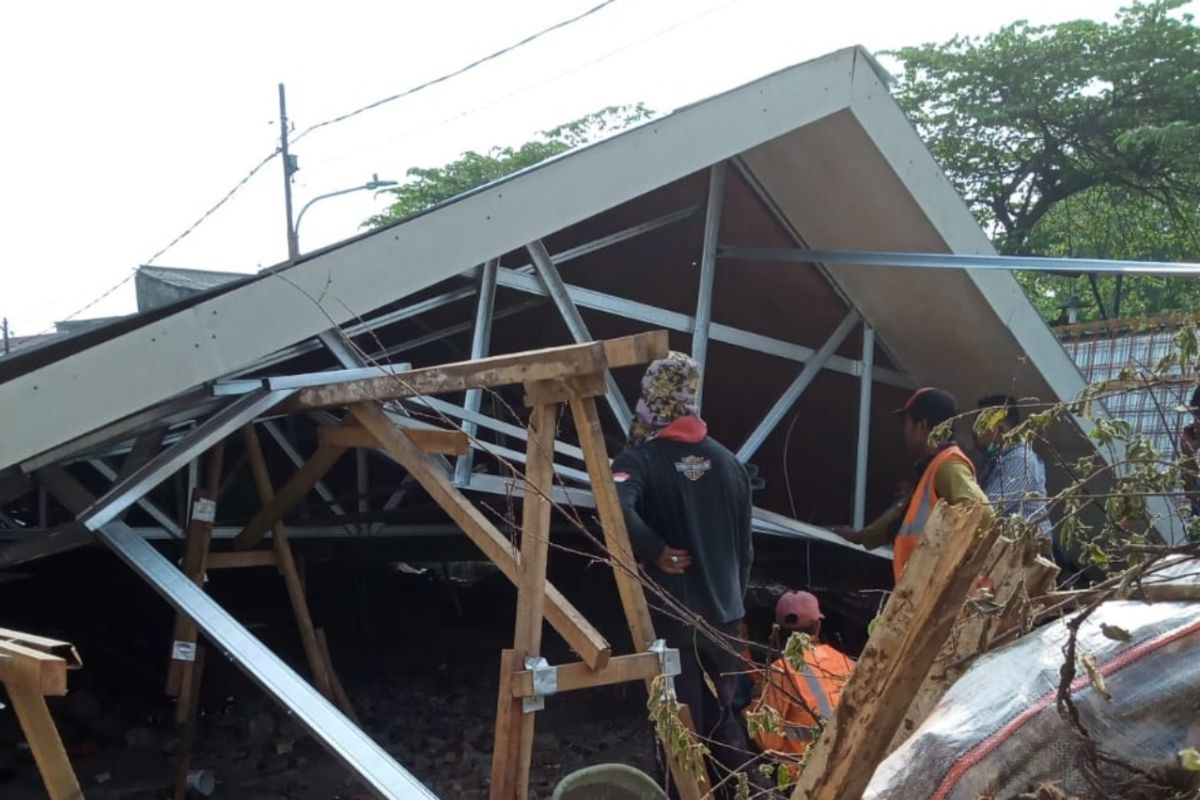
[
  {"x": 625, "y": 568},
  {"x": 1014, "y": 575},
  {"x": 513, "y": 749},
  {"x": 201, "y": 517},
  {"x": 287, "y": 566},
  {"x": 562, "y": 616},
  {"x": 291, "y": 493},
  {"x": 339, "y": 690},
  {"x": 908, "y": 637},
  {"x": 189, "y": 700},
  {"x": 29, "y": 674}
]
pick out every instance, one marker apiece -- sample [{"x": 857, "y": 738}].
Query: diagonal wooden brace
[{"x": 592, "y": 647}]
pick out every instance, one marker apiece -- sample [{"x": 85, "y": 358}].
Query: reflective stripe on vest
[
  {"x": 925, "y": 496},
  {"x": 824, "y": 707}
]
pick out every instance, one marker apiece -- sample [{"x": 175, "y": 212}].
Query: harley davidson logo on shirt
[{"x": 693, "y": 467}]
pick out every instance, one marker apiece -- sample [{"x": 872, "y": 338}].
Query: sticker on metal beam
[
  {"x": 183, "y": 651},
  {"x": 204, "y": 510}
]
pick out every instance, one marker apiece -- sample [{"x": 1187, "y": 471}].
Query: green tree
[
  {"x": 1075, "y": 139},
  {"x": 428, "y": 186}
]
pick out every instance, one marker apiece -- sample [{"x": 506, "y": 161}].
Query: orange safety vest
[
  {"x": 819, "y": 685},
  {"x": 924, "y": 498}
]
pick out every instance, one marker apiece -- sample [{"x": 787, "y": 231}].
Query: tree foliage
[
  {"x": 1074, "y": 139},
  {"x": 428, "y": 186}
]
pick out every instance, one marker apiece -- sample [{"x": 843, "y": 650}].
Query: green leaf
[{"x": 1189, "y": 759}]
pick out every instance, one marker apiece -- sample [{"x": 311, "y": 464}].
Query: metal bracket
[
  {"x": 669, "y": 664},
  {"x": 204, "y": 510},
  {"x": 545, "y": 682}
]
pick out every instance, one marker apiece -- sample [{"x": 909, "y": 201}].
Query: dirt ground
[{"x": 418, "y": 655}]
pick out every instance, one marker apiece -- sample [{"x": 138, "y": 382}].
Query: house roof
[
  {"x": 825, "y": 142},
  {"x": 196, "y": 280}
]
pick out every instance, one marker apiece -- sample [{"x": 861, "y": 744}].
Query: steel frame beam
[
  {"x": 126, "y": 492},
  {"x": 673, "y": 320},
  {"x": 561, "y": 298},
  {"x": 481, "y": 341},
  {"x": 864, "y": 258},
  {"x": 793, "y": 392},
  {"x": 346, "y": 742},
  {"x": 160, "y": 516},
  {"x": 863, "y": 443},
  {"x": 708, "y": 269}
]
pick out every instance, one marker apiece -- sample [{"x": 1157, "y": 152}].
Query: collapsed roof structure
[{"x": 710, "y": 222}]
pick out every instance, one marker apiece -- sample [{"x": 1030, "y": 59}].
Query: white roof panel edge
[
  {"x": 893, "y": 135},
  {"x": 91, "y": 388}
]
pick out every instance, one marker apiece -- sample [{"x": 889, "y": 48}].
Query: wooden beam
[
  {"x": 45, "y": 743},
  {"x": 292, "y": 492},
  {"x": 513, "y": 751},
  {"x": 440, "y": 441},
  {"x": 24, "y": 666},
  {"x": 33, "y": 546},
  {"x": 239, "y": 560},
  {"x": 197, "y": 540},
  {"x": 908, "y": 637},
  {"x": 287, "y": 565},
  {"x": 624, "y": 564},
  {"x": 592, "y": 648},
  {"x": 572, "y": 677},
  {"x": 561, "y": 390},
  {"x": 548, "y": 364}
]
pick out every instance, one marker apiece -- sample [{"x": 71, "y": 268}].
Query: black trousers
[{"x": 714, "y": 716}]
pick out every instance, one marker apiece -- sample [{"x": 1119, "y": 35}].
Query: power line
[{"x": 461, "y": 70}]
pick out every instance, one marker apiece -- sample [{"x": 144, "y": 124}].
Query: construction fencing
[{"x": 1104, "y": 349}]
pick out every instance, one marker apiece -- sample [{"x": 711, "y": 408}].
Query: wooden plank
[
  {"x": 510, "y": 774},
  {"x": 190, "y": 701},
  {"x": 440, "y": 441},
  {"x": 592, "y": 648},
  {"x": 339, "y": 691},
  {"x": 44, "y": 742},
  {"x": 197, "y": 540},
  {"x": 555, "y": 362},
  {"x": 625, "y": 567},
  {"x": 241, "y": 560},
  {"x": 504, "y": 768},
  {"x": 26, "y": 667},
  {"x": 1012, "y": 575},
  {"x": 908, "y": 637},
  {"x": 561, "y": 390},
  {"x": 572, "y": 677},
  {"x": 287, "y": 565},
  {"x": 291, "y": 493}
]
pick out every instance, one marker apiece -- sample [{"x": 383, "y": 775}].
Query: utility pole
[
  {"x": 6, "y": 336},
  {"x": 289, "y": 169}
]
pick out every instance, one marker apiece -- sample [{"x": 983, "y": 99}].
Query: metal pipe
[
  {"x": 862, "y": 445},
  {"x": 961, "y": 261},
  {"x": 793, "y": 392},
  {"x": 561, "y": 298},
  {"x": 481, "y": 340},
  {"x": 708, "y": 269}
]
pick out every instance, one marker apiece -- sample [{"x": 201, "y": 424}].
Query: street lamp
[{"x": 372, "y": 185}]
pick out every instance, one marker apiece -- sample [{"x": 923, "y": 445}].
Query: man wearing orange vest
[
  {"x": 806, "y": 697},
  {"x": 946, "y": 473}
]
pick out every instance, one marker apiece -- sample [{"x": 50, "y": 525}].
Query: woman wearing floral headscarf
[{"x": 687, "y": 505}]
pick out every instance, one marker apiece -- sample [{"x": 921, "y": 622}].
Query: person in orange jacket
[
  {"x": 946, "y": 473},
  {"x": 803, "y": 698}
]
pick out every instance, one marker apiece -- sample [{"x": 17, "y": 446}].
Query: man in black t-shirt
[{"x": 687, "y": 505}]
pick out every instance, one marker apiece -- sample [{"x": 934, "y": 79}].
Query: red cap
[{"x": 797, "y": 610}]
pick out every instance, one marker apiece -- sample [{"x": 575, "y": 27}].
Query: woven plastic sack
[{"x": 997, "y": 732}]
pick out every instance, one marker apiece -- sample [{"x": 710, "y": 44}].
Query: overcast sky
[{"x": 123, "y": 121}]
